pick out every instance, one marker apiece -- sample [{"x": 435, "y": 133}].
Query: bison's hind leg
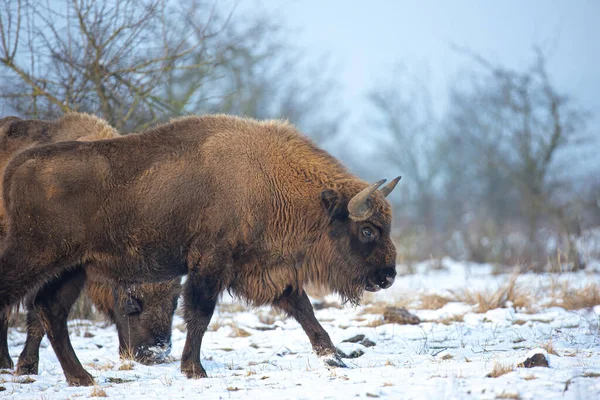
[
  {"x": 5, "y": 360},
  {"x": 53, "y": 303},
  {"x": 29, "y": 358}
]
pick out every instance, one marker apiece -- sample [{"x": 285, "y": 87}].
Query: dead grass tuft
[
  {"x": 127, "y": 366},
  {"x": 128, "y": 354},
  {"x": 591, "y": 375},
  {"x": 569, "y": 298},
  {"x": 97, "y": 391},
  {"x": 239, "y": 332},
  {"x": 451, "y": 319},
  {"x": 23, "y": 380},
  {"x": 433, "y": 301},
  {"x": 108, "y": 366},
  {"x": 549, "y": 347},
  {"x": 508, "y": 395},
  {"x": 500, "y": 370},
  {"x": 530, "y": 377},
  {"x": 486, "y": 300}
]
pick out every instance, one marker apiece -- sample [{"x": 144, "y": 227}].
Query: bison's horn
[
  {"x": 387, "y": 189},
  {"x": 357, "y": 206}
]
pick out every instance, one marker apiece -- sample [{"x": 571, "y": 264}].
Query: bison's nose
[
  {"x": 155, "y": 354},
  {"x": 386, "y": 277}
]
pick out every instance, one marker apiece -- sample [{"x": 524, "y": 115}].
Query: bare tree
[
  {"x": 137, "y": 62},
  {"x": 266, "y": 77},
  {"x": 515, "y": 123},
  {"x": 110, "y": 58},
  {"x": 408, "y": 141}
]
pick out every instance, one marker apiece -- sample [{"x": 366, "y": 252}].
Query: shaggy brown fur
[
  {"x": 143, "y": 314},
  {"x": 17, "y": 134},
  {"x": 252, "y": 207}
]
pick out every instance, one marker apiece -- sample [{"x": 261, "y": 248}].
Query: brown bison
[
  {"x": 251, "y": 207},
  {"x": 143, "y": 314}
]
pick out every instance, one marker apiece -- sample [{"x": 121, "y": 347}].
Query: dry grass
[
  {"x": 500, "y": 370},
  {"x": 166, "y": 380},
  {"x": 433, "y": 301},
  {"x": 549, "y": 347},
  {"x": 569, "y": 298},
  {"x": 239, "y": 332},
  {"x": 126, "y": 366},
  {"x": 508, "y": 395},
  {"x": 23, "y": 380},
  {"x": 97, "y": 391},
  {"x": 530, "y": 377},
  {"x": 486, "y": 300},
  {"x": 128, "y": 355},
  {"x": 451, "y": 319},
  {"x": 108, "y": 366},
  {"x": 379, "y": 308}
]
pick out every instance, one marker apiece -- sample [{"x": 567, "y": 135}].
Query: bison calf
[
  {"x": 236, "y": 204},
  {"x": 143, "y": 313}
]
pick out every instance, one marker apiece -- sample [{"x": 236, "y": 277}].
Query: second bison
[
  {"x": 236, "y": 204},
  {"x": 143, "y": 314}
]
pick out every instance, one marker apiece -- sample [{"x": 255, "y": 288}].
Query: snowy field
[{"x": 475, "y": 330}]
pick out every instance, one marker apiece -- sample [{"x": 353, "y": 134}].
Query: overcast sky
[{"x": 364, "y": 39}]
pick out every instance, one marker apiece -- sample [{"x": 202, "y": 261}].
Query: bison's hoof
[
  {"x": 332, "y": 361},
  {"x": 6, "y": 362},
  {"x": 27, "y": 368},
  {"x": 84, "y": 380},
  {"x": 193, "y": 371}
]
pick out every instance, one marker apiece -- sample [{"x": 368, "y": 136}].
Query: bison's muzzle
[
  {"x": 384, "y": 279},
  {"x": 153, "y": 354}
]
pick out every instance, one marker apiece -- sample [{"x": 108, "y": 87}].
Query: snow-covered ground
[{"x": 260, "y": 354}]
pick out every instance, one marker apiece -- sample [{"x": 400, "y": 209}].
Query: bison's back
[
  {"x": 17, "y": 135},
  {"x": 143, "y": 198}
]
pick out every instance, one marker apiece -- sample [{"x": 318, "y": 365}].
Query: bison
[
  {"x": 143, "y": 314},
  {"x": 251, "y": 207}
]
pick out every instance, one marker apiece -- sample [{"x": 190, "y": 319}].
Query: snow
[{"x": 260, "y": 354}]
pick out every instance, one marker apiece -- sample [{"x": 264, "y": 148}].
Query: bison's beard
[{"x": 350, "y": 291}]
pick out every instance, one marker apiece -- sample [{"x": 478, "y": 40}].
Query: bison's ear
[{"x": 332, "y": 203}]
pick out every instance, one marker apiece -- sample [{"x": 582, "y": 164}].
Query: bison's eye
[
  {"x": 368, "y": 234},
  {"x": 133, "y": 306}
]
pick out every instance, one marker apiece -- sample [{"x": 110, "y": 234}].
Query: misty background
[{"x": 489, "y": 110}]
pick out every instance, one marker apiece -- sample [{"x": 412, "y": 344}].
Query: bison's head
[
  {"x": 360, "y": 252},
  {"x": 143, "y": 315}
]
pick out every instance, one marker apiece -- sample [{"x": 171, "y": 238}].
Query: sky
[{"x": 365, "y": 39}]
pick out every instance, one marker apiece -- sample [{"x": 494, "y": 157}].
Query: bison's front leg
[
  {"x": 53, "y": 303},
  {"x": 5, "y": 360},
  {"x": 199, "y": 300},
  {"x": 298, "y": 306}
]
